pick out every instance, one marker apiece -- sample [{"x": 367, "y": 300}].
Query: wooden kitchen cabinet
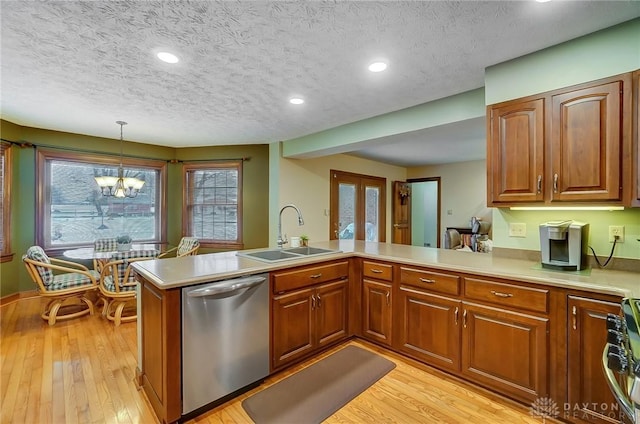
[
  {"x": 377, "y": 303},
  {"x": 585, "y": 148},
  {"x": 377, "y": 308},
  {"x": 515, "y": 152},
  {"x": 307, "y": 319},
  {"x": 588, "y": 393},
  {"x": 429, "y": 327},
  {"x": 568, "y": 145},
  {"x": 506, "y": 351},
  {"x": 161, "y": 357}
]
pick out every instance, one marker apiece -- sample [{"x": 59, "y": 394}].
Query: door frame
[{"x": 438, "y": 207}]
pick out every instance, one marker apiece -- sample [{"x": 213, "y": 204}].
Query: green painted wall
[
  {"x": 598, "y": 221},
  {"x": 612, "y": 51},
  {"x": 13, "y": 276},
  {"x": 346, "y": 138}
]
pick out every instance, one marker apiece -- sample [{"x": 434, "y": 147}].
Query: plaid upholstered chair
[
  {"x": 66, "y": 285},
  {"x": 118, "y": 285},
  {"x": 103, "y": 245},
  {"x": 188, "y": 246}
]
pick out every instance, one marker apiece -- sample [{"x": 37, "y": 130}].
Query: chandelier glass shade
[{"x": 119, "y": 186}]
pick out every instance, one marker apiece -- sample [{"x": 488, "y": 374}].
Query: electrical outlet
[
  {"x": 616, "y": 230},
  {"x": 517, "y": 229}
]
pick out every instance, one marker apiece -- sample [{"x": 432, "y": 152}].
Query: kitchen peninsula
[{"x": 503, "y": 324}]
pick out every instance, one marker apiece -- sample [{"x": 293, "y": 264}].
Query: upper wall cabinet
[{"x": 570, "y": 145}]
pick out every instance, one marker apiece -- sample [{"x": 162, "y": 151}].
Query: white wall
[
  {"x": 463, "y": 192},
  {"x": 305, "y": 183}
]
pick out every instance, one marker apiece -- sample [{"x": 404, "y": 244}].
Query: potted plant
[
  {"x": 124, "y": 243},
  {"x": 304, "y": 240}
]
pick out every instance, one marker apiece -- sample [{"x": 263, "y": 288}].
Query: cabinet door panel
[
  {"x": 506, "y": 350},
  {"x": 376, "y": 318},
  {"x": 331, "y": 312},
  {"x": 588, "y": 389},
  {"x": 586, "y": 144},
  {"x": 516, "y": 152},
  {"x": 293, "y": 326},
  {"x": 430, "y": 328}
]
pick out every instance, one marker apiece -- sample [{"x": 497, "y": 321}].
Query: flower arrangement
[
  {"x": 304, "y": 240},
  {"x": 124, "y": 239}
]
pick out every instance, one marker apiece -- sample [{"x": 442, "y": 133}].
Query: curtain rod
[{"x": 25, "y": 144}]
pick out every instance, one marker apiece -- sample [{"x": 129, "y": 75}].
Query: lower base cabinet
[
  {"x": 429, "y": 328},
  {"x": 506, "y": 351},
  {"x": 307, "y": 320},
  {"x": 376, "y": 311},
  {"x": 589, "y": 397}
]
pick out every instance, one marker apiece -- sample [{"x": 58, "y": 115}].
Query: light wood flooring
[{"x": 82, "y": 371}]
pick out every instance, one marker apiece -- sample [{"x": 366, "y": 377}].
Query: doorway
[
  {"x": 425, "y": 211},
  {"x": 358, "y": 207}
]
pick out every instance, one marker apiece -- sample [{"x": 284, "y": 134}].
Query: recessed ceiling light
[
  {"x": 377, "y": 66},
  {"x": 543, "y": 1},
  {"x": 296, "y": 101},
  {"x": 168, "y": 57}
]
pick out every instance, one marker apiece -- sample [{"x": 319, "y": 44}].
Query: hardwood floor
[{"x": 82, "y": 371}]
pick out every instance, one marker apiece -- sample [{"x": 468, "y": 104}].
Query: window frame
[
  {"x": 5, "y": 151},
  {"x": 188, "y": 168},
  {"x": 43, "y": 181}
]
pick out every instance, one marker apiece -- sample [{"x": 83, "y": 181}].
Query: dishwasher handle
[{"x": 227, "y": 286}]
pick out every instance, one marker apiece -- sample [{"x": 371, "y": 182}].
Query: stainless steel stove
[{"x": 621, "y": 356}]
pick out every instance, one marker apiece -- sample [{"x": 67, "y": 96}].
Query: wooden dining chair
[
  {"x": 109, "y": 244},
  {"x": 118, "y": 285},
  {"x": 188, "y": 246},
  {"x": 66, "y": 285}
]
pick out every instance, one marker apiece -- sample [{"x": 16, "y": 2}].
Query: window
[
  {"x": 5, "y": 202},
  {"x": 212, "y": 206},
  {"x": 73, "y": 212},
  {"x": 358, "y": 206}
]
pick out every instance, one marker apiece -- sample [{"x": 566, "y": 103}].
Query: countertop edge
[{"x": 512, "y": 269}]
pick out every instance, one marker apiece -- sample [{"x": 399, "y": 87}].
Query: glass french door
[{"x": 357, "y": 207}]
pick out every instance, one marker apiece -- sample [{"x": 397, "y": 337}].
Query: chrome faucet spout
[{"x": 283, "y": 241}]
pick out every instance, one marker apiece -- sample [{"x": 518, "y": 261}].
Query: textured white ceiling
[{"x": 79, "y": 66}]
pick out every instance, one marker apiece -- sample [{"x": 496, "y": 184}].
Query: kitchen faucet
[{"x": 284, "y": 241}]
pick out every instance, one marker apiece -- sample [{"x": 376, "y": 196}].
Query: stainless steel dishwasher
[{"x": 225, "y": 339}]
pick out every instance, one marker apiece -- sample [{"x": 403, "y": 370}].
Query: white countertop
[{"x": 179, "y": 272}]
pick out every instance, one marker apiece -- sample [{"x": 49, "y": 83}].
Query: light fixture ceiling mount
[{"x": 119, "y": 186}]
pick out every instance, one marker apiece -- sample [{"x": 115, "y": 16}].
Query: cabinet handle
[
  {"x": 318, "y": 275},
  {"x": 555, "y": 183},
  {"x": 539, "y": 184},
  {"x": 426, "y": 280},
  {"x": 376, "y": 271},
  {"x": 464, "y": 319},
  {"x": 318, "y": 301},
  {"x": 500, "y": 294},
  {"x": 574, "y": 319},
  {"x": 455, "y": 314},
  {"x": 388, "y": 298},
  {"x": 313, "y": 302}
]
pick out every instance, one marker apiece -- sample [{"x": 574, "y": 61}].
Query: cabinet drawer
[
  {"x": 302, "y": 277},
  {"x": 507, "y": 294},
  {"x": 432, "y": 281},
  {"x": 377, "y": 270}
]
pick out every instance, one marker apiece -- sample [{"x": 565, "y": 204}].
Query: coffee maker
[{"x": 563, "y": 245}]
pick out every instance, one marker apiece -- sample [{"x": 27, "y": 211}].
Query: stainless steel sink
[
  {"x": 276, "y": 255},
  {"x": 306, "y": 251}
]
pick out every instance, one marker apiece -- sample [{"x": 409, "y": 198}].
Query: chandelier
[{"x": 119, "y": 186}]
